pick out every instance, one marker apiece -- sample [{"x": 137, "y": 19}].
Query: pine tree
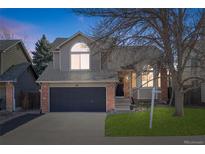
[{"x": 42, "y": 55}]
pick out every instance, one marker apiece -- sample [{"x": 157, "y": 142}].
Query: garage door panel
[{"x": 80, "y": 99}]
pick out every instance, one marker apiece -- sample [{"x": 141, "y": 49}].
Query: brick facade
[
  {"x": 44, "y": 98},
  {"x": 164, "y": 87},
  {"x": 9, "y": 97},
  {"x": 110, "y": 93}
]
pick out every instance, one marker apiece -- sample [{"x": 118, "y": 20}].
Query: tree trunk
[{"x": 179, "y": 102}]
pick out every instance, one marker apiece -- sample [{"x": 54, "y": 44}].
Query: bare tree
[{"x": 175, "y": 32}]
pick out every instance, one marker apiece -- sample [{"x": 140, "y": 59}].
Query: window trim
[
  {"x": 135, "y": 85},
  {"x": 158, "y": 79},
  {"x": 146, "y": 85},
  {"x": 79, "y": 52}
]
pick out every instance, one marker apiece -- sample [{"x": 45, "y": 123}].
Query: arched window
[{"x": 80, "y": 57}]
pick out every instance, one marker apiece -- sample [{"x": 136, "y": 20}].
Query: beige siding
[
  {"x": 13, "y": 56},
  {"x": 145, "y": 93},
  {"x": 141, "y": 92}
]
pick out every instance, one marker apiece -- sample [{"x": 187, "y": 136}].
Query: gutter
[
  {"x": 7, "y": 81},
  {"x": 11, "y": 46},
  {"x": 24, "y": 48}
]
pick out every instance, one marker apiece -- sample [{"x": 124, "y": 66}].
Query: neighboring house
[
  {"x": 16, "y": 74},
  {"x": 79, "y": 80},
  {"x": 195, "y": 68}
]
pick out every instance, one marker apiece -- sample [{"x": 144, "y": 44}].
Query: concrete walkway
[{"x": 80, "y": 128}]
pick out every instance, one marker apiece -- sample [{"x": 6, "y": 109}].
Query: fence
[{"x": 30, "y": 100}]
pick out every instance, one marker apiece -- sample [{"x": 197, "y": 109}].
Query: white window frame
[
  {"x": 146, "y": 84},
  {"x": 158, "y": 79},
  {"x": 77, "y": 53}
]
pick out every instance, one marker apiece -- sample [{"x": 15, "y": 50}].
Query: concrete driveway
[{"x": 80, "y": 128}]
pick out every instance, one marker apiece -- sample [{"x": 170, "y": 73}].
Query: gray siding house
[
  {"x": 16, "y": 74},
  {"x": 79, "y": 80}
]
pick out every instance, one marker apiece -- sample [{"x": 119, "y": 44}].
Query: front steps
[{"x": 122, "y": 104}]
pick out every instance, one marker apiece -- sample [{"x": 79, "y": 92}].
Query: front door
[{"x": 120, "y": 88}]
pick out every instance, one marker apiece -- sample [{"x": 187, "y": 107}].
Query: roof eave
[
  {"x": 11, "y": 46},
  {"x": 2, "y": 81},
  {"x": 70, "y": 38},
  {"x": 24, "y": 48}
]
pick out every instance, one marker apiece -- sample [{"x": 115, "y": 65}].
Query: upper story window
[{"x": 80, "y": 57}]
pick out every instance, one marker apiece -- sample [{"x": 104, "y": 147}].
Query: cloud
[{"x": 11, "y": 29}]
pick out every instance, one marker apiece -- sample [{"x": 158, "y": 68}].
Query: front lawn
[{"x": 164, "y": 124}]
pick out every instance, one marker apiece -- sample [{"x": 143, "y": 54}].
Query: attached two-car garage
[{"x": 77, "y": 99}]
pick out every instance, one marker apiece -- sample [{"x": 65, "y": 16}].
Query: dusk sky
[{"x": 30, "y": 24}]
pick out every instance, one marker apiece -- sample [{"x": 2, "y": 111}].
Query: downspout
[{"x": 14, "y": 101}]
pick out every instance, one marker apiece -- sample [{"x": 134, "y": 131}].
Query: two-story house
[
  {"x": 78, "y": 80},
  {"x": 16, "y": 74}
]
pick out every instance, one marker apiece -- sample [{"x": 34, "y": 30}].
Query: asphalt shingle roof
[
  {"x": 52, "y": 74},
  {"x": 4, "y": 44},
  {"x": 60, "y": 40},
  {"x": 57, "y": 42},
  {"x": 14, "y": 72}
]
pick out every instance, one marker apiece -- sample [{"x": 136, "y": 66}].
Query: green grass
[{"x": 164, "y": 123}]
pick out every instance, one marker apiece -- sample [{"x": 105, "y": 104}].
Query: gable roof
[
  {"x": 58, "y": 42},
  {"x": 7, "y": 44},
  {"x": 14, "y": 72}
]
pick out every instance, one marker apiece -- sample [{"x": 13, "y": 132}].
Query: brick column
[
  {"x": 44, "y": 98},
  {"x": 9, "y": 96},
  {"x": 164, "y": 87},
  {"x": 110, "y": 101}
]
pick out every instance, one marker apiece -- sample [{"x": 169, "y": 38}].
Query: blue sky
[{"x": 30, "y": 24}]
